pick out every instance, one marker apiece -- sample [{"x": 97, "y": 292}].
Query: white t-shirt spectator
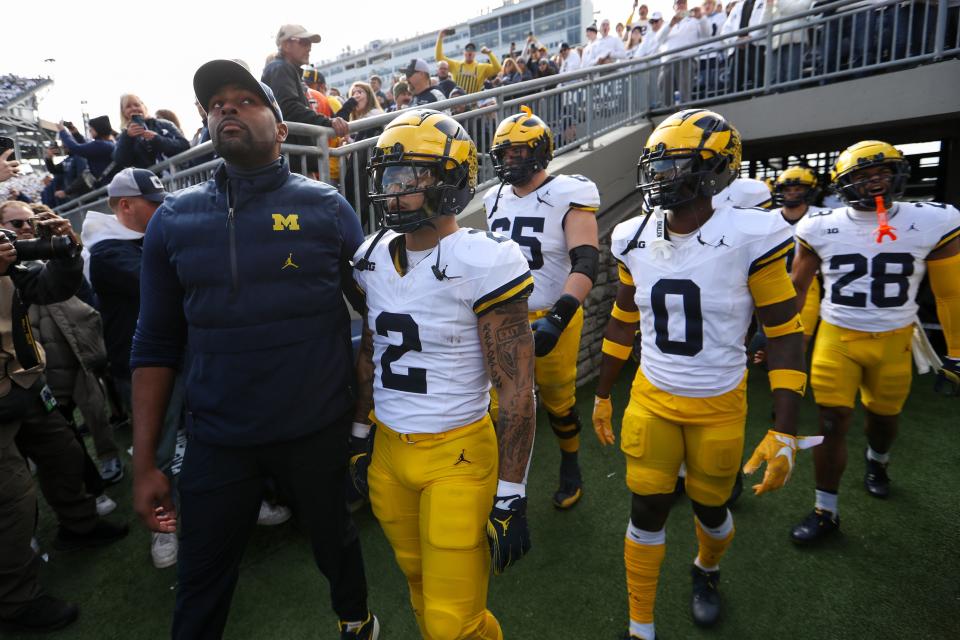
[
  {"x": 644, "y": 27},
  {"x": 607, "y": 46},
  {"x": 762, "y": 11},
  {"x": 686, "y": 32},
  {"x": 651, "y": 43},
  {"x": 716, "y": 24},
  {"x": 571, "y": 62},
  {"x": 588, "y": 59}
]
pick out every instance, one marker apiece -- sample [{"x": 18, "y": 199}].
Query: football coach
[{"x": 241, "y": 286}]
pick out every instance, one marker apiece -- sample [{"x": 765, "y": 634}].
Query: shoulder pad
[
  {"x": 756, "y": 223},
  {"x": 483, "y": 249},
  {"x": 941, "y": 210},
  {"x": 623, "y": 233},
  {"x": 814, "y": 212},
  {"x": 578, "y": 191}
]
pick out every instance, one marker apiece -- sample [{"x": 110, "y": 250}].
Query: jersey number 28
[{"x": 880, "y": 275}]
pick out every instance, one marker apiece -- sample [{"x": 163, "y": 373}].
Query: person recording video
[{"x": 30, "y": 426}]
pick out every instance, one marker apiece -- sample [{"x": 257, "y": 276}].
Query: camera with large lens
[{"x": 43, "y": 248}]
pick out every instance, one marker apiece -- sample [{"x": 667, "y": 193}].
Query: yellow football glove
[
  {"x": 777, "y": 450},
  {"x": 602, "y": 420}
]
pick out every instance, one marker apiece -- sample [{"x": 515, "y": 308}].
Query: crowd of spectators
[
  {"x": 730, "y": 65},
  {"x": 12, "y": 86}
]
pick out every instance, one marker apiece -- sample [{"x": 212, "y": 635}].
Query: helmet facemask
[
  {"x": 516, "y": 170},
  {"x": 668, "y": 179},
  {"x": 396, "y": 176},
  {"x": 861, "y": 193},
  {"x": 808, "y": 196}
]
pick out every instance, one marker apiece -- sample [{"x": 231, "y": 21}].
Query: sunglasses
[{"x": 20, "y": 224}]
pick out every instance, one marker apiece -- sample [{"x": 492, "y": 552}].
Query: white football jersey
[
  {"x": 743, "y": 192},
  {"x": 429, "y": 366},
  {"x": 871, "y": 286},
  {"x": 535, "y": 222},
  {"x": 695, "y": 307},
  {"x": 810, "y": 211}
]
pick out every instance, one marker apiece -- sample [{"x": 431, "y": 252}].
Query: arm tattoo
[
  {"x": 508, "y": 353},
  {"x": 364, "y": 403}
]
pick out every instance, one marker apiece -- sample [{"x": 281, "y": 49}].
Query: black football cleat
[
  {"x": 571, "y": 483},
  {"x": 876, "y": 480},
  {"x": 102, "y": 534},
  {"x": 705, "y": 598},
  {"x": 42, "y": 614},
  {"x": 629, "y": 636},
  {"x": 368, "y": 630},
  {"x": 818, "y": 524}
]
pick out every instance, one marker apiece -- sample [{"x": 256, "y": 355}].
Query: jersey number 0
[{"x": 689, "y": 293}]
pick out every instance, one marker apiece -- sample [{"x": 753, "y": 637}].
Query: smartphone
[
  {"x": 5, "y": 143},
  {"x": 138, "y": 119},
  {"x": 449, "y": 32}
]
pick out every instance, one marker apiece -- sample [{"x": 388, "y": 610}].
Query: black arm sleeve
[{"x": 54, "y": 281}]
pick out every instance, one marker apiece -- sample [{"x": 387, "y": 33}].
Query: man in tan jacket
[{"x": 31, "y": 427}]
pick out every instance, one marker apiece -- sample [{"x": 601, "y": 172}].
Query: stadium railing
[{"x": 826, "y": 44}]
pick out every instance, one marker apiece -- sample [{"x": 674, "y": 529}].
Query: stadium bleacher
[{"x": 13, "y": 86}]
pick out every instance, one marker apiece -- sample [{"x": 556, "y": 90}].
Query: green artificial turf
[{"x": 891, "y": 574}]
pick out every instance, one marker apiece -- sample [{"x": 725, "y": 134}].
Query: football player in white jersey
[
  {"x": 872, "y": 254},
  {"x": 553, "y": 219},
  {"x": 691, "y": 276},
  {"x": 794, "y": 192},
  {"x": 446, "y": 315}
]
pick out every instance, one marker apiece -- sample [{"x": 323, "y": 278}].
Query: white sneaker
[
  {"x": 272, "y": 514},
  {"x": 111, "y": 470},
  {"x": 163, "y": 550},
  {"x": 105, "y": 505}
]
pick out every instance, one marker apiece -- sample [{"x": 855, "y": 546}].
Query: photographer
[{"x": 30, "y": 426}]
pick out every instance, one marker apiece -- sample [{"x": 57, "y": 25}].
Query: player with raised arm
[
  {"x": 872, "y": 254},
  {"x": 691, "y": 277},
  {"x": 553, "y": 219},
  {"x": 446, "y": 316}
]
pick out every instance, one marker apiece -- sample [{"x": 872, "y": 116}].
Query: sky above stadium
[{"x": 98, "y": 51}]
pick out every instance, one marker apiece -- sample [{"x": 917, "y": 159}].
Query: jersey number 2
[
  {"x": 692, "y": 344},
  {"x": 415, "y": 380},
  {"x": 532, "y": 243}
]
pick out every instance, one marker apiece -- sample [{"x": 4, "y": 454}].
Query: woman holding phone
[{"x": 145, "y": 140}]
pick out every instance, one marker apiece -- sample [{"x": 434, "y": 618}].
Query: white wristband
[
  {"x": 505, "y": 488},
  {"x": 359, "y": 430}
]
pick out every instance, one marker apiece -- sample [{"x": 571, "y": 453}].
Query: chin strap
[
  {"x": 496, "y": 202},
  {"x": 883, "y": 227},
  {"x": 364, "y": 264}
]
